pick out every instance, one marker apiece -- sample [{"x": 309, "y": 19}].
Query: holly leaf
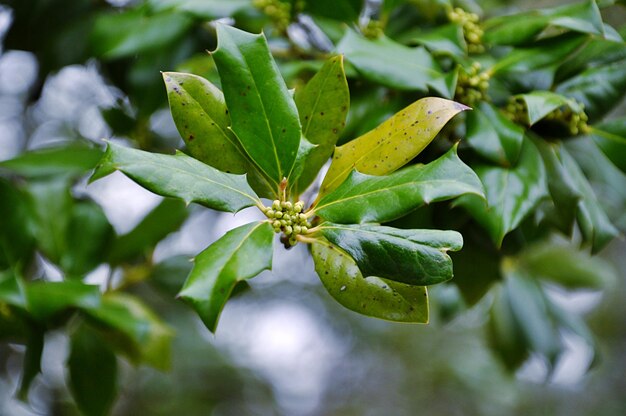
[
  {"x": 394, "y": 65},
  {"x": 541, "y": 103},
  {"x": 48, "y": 299},
  {"x": 92, "y": 372},
  {"x": 263, "y": 114},
  {"x": 133, "y": 329},
  {"x": 179, "y": 176},
  {"x": 414, "y": 257},
  {"x": 493, "y": 136},
  {"x": 240, "y": 254},
  {"x": 392, "y": 144},
  {"x": 364, "y": 198},
  {"x": 72, "y": 160},
  {"x": 610, "y": 136},
  {"x": 512, "y": 193},
  {"x": 371, "y": 296},
  {"x": 447, "y": 39},
  {"x": 598, "y": 88},
  {"x": 323, "y": 106}
]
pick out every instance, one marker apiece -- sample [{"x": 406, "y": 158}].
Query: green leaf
[
  {"x": 414, "y": 257},
  {"x": 394, "y": 65},
  {"x": 323, "y": 106},
  {"x": 447, "y": 39},
  {"x": 392, "y": 144},
  {"x": 51, "y": 206},
  {"x": 593, "y": 222},
  {"x": 371, "y": 296},
  {"x": 75, "y": 159},
  {"x": 11, "y": 290},
  {"x": 363, "y": 198},
  {"x": 512, "y": 194},
  {"x": 530, "y": 308},
  {"x": 493, "y": 136},
  {"x": 119, "y": 35},
  {"x": 524, "y": 27},
  {"x": 133, "y": 329},
  {"x": 17, "y": 243},
  {"x": 31, "y": 366},
  {"x": 610, "y": 136},
  {"x": 88, "y": 239},
  {"x": 179, "y": 176},
  {"x": 566, "y": 266},
  {"x": 343, "y": 10},
  {"x": 544, "y": 54},
  {"x": 92, "y": 372},
  {"x": 542, "y": 103},
  {"x": 599, "y": 89},
  {"x": 504, "y": 332},
  {"x": 48, "y": 299},
  {"x": 263, "y": 114},
  {"x": 202, "y": 9},
  {"x": 563, "y": 189},
  {"x": 240, "y": 254},
  {"x": 166, "y": 218}
]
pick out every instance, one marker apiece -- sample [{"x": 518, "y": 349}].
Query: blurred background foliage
[{"x": 88, "y": 273}]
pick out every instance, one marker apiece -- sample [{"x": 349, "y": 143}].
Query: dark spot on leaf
[
  {"x": 326, "y": 272},
  {"x": 191, "y": 137},
  {"x": 306, "y": 117},
  {"x": 284, "y": 130},
  {"x": 248, "y": 87},
  {"x": 430, "y": 112},
  {"x": 321, "y": 113},
  {"x": 437, "y": 117},
  {"x": 227, "y": 111},
  {"x": 335, "y": 131},
  {"x": 344, "y": 108}
]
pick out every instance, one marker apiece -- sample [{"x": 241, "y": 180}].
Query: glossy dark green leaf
[
  {"x": 598, "y": 89},
  {"x": 529, "y": 305},
  {"x": 610, "y": 136},
  {"x": 414, "y": 257},
  {"x": 17, "y": 242},
  {"x": 541, "y": 103},
  {"x": 48, "y": 299},
  {"x": 134, "y": 329},
  {"x": 544, "y": 54},
  {"x": 446, "y": 39},
  {"x": 595, "y": 226},
  {"x": 562, "y": 187},
  {"x": 51, "y": 206},
  {"x": 31, "y": 366},
  {"x": 566, "y": 266},
  {"x": 119, "y": 35},
  {"x": 394, "y": 65},
  {"x": 364, "y": 198},
  {"x": 371, "y": 296},
  {"x": 323, "y": 105},
  {"x": 524, "y": 27},
  {"x": 263, "y": 114},
  {"x": 202, "y": 9},
  {"x": 597, "y": 52},
  {"x": 343, "y": 10},
  {"x": 166, "y": 218},
  {"x": 512, "y": 194},
  {"x": 88, "y": 239},
  {"x": 179, "y": 176},
  {"x": 607, "y": 181},
  {"x": 92, "y": 372},
  {"x": 504, "y": 331},
  {"x": 392, "y": 144},
  {"x": 493, "y": 136},
  {"x": 74, "y": 159},
  {"x": 240, "y": 254}
]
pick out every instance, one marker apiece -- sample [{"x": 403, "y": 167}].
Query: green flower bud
[
  {"x": 276, "y": 205},
  {"x": 278, "y": 214},
  {"x": 288, "y": 230}
]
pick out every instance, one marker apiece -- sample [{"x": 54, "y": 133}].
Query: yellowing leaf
[{"x": 392, "y": 144}]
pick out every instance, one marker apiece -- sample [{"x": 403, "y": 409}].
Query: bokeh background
[{"x": 284, "y": 347}]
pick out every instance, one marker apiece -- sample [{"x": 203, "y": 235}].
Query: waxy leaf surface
[
  {"x": 263, "y": 114},
  {"x": 323, "y": 106},
  {"x": 364, "y": 198},
  {"x": 512, "y": 193},
  {"x": 179, "y": 176},
  {"x": 240, "y": 254},
  {"x": 493, "y": 136},
  {"x": 394, "y": 143},
  {"x": 414, "y": 257},
  {"x": 394, "y": 65},
  {"x": 74, "y": 159},
  {"x": 371, "y": 296},
  {"x": 541, "y": 103}
]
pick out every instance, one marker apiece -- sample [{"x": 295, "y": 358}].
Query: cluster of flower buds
[
  {"x": 576, "y": 121},
  {"x": 373, "y": 29},
  {"x": 472, "y": 32},
  {"x": 516, "y": 111},
  {"x": 278, "y": 11},
  {"x": 472, "y": 85},
  {"x": 288, "y": 218}
]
